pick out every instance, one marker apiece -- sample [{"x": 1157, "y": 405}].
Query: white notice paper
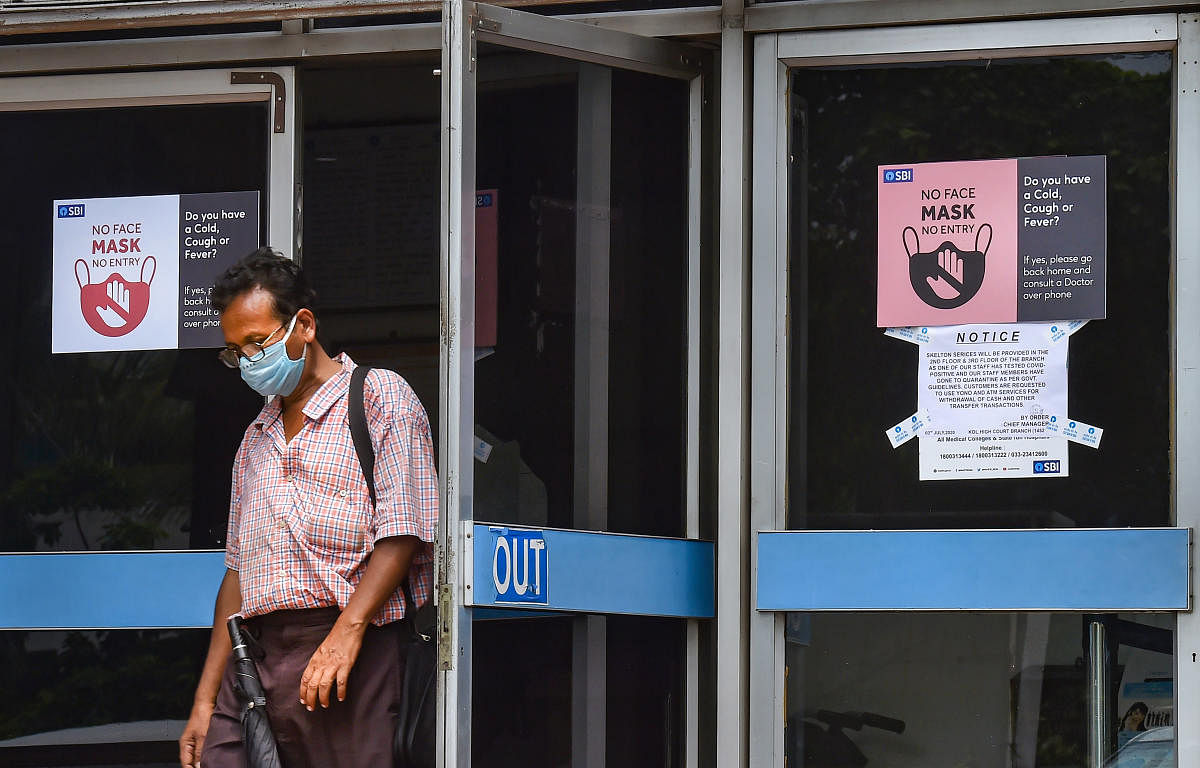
[
  {"x": 483, "y": 450},
  {"x": 908, "y": 429},
  {"x": 1056, "y": 332},
  {"x": 1075, "y": 431},
  {"x": 989, "y": 391},
  {"x": 915, "y": 334}
]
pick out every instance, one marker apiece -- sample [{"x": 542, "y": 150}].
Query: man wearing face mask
[{"x": 313, "y": 568}]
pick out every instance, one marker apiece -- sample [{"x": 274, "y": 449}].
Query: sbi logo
[
  {"x": 893, "y": 175},
  {"x": 519, "y": 566},
  {"x": 1047, "y": 467}
]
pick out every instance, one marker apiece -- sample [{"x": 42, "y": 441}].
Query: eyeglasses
[{"x": 251, "y": 350}]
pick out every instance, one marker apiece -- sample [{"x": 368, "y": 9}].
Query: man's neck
[{"x": 316, "y": 373}]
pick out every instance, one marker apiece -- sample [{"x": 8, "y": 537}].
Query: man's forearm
[
  {"x": 229, "y": 602},
  {"x": 386, "y": 569}
]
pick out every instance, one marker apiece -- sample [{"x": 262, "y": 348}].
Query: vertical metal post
[
  {"x": 695, "y": 219},
  {"x": 1185, "y": 367},
  {"x": 593, "y": 235},
  {"x": 733, "y": 529},
  {"x": 283, "y": 190},
  {"x": 1098, "y": 719},
  {"x": 457, "y": 369},
  {"x": 593, "y": 232},
  {"x": 768, "y": 387}
]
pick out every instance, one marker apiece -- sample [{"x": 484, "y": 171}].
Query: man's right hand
[{"x": 191, "y": 743}]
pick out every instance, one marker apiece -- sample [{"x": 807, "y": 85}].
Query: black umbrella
[{"x": 261, "y": 749}]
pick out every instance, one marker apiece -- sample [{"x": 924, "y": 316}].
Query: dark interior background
[{"x": 525, "y": 392}]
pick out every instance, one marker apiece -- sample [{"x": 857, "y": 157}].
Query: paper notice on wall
[{"x": 989, "y": 391}]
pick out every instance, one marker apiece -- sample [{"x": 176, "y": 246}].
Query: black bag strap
[
  {"x": 361, "y": 435},
  {"x": 358, "y": 428}
]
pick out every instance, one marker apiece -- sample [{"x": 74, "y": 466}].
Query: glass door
[
  {"x": 945, "y": 614},
  {"x": 573, "y": 577},
  {"x": 124, "y": 193}
]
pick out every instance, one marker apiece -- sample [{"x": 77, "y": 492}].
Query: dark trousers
[{"x": 355, "y": 733}]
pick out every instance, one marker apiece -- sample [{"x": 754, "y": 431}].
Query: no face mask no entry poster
[
  {"x": 992, "y": 241},
  {"x": 136, "y": 272}
]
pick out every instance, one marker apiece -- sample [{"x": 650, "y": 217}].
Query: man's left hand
[{"x": 330, "y": 665}]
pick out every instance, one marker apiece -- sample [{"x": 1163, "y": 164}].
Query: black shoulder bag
[{"x": 416, "y": 726}]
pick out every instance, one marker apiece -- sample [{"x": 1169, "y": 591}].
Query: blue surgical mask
[{"x": 275, "y": 373}]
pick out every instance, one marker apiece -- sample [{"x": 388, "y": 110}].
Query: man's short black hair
[{"x": 267, "y": 269}]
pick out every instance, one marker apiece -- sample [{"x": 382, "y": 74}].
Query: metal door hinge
[
  {"x": 477, "y": 23},
  {"x": 445, "y": 622},
  {"x": 485, "y": 25},
  {"x": 276, "y": 82}
]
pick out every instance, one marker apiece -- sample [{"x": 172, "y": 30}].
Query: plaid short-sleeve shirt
[{"x": 301, "y": 525}]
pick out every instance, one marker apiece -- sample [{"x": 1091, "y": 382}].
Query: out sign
[{"x": 519, "y": 566}]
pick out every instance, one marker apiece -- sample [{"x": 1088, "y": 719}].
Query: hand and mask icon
[
  {"x": 946, "y": 277},
  {"x": 115, "y": 306}
]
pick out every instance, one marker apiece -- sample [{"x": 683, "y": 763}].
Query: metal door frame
[
  {"x": 154, "y": 579},
  {"x": 773, "y": 55},
  {"x": 464, "y": 24},
  {"x": 200, "y": 86}
]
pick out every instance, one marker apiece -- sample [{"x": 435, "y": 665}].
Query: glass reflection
[
  {"x": 102, "y": 467},
  {"x": 582, "y": 400},
  {"x": 117, "y": 451},
  {"x": 83, "y": 698},
  {"x": 121, "y": 450},
  {"x": 849, "y": 382},
  {"x": 914, "y": 690}
]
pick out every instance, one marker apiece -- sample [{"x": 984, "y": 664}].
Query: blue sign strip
[
  {"x": 109, "y": 590},
  {"x": 590, "y": 572},
  {"x": 1102, "y": 570},
  {"x": 603, "y": 573}
]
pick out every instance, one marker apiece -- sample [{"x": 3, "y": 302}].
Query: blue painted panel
[
  {"x": 605, "y": 573},
  {"x": 1124, "y": 569},
  {"x": 109, "y": 590},
  {"x": 509, "y": 614}
]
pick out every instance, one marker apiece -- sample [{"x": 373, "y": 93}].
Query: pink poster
[
  {"x": 487, "y": 237},
  {"x": 948, "y": 243},
  {"x": 992, "y": 241}
]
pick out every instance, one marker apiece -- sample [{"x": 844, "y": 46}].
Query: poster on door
[
  {"x": 1145, "y": 705},
  {"x": 991, "y": 241},
  {"x": 989, "y": 391},
  {"x": 135, "y": 273}
]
